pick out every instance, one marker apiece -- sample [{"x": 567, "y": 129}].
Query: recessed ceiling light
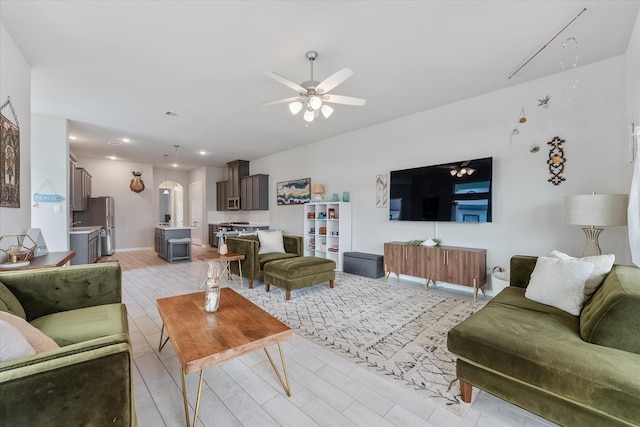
[
  {"x": 175, "y": 165},
  {"x": 203, "y": 153},
  {"x": 73, "y": 137},
  {"x": 125, "y": 140},
  {"x": 112, "y": 157}
]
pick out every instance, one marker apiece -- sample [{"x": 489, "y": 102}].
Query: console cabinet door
[{"x": 394, "y": 257}]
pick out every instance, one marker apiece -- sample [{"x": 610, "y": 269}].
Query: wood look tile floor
[{"x": 328, "y": 390}]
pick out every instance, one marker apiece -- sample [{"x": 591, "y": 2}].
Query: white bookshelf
[{"x": 327, "y": 230}]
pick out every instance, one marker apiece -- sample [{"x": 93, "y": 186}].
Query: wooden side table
[
  {"x": 52, "y": 259},
  {"x": 225, "y": 260}
]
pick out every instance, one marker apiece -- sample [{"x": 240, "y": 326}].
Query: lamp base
[
  {"x": 318, "y": 198},
  {"x": 592, "y": 247}
]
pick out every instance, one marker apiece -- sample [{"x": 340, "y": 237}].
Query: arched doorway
[{"x": 171, "y": 205}]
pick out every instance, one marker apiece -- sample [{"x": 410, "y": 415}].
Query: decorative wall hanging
[
  {"x": 523, "y": 118},
  {"x": 544, "y": 102},
  {"x": 556, "y": 160},
  {"x": 52, "y": 197},
  {"x": 137, "y": 184},
  {"x": 294, "y": 192},
  {"x": 381, "y": 191},
  {"x": 9, "y": 159}
]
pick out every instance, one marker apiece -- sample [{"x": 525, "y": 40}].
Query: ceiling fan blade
[
  {"x": 333, "y": 80},
  {"x": 341, "y": 99},
  {"x": 285, "y": 101},
  {"x": 286, "y": 82}
]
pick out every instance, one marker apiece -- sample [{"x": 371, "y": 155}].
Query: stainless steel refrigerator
[{"x": 100, "y": 212}]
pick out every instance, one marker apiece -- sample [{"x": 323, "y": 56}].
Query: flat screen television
[{"x": 456, "y": 191}]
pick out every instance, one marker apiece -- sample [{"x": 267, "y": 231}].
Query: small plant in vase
[{"x": 437, "y": 241}]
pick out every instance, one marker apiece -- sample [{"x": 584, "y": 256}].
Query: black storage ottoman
[{"x": 363, "y": 264}]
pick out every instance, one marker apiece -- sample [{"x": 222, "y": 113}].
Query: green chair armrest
[
  {"x": 52, "y": 290},
  {"x": 248, "y": 248},
  {"x": 293, "y": 244}
]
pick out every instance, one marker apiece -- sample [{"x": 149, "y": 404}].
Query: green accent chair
[
  {"x": 253, "y": 263},
  {"x": 573, "y": 370},
  {"x": 88, "y": 380}
]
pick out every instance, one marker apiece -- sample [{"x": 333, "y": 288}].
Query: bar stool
[{"x": 185, "y": 241}]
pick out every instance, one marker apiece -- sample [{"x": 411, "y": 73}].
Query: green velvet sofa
[
  {"x": 573, "y": 370},
  {"x": 88, "y": 380},
  {"x": 253, "y": 264}
]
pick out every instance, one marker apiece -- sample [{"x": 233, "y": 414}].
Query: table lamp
[
  {"x": 318, "y": 190},
  {"x": 595, "y": 211}
]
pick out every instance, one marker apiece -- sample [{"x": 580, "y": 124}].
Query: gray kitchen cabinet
[
  {"x": 236, "y": 170},
  {"x": 221, "y": 195},
  {"x": 254, "y": 192},
  {"x": 81, "y": 189},
  {"x": 87, "y": 247}
]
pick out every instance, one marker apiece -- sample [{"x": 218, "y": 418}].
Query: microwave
[{"x": 233, "y": 203}]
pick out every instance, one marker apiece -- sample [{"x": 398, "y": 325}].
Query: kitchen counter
[
  {"x": 84, "y": 230},
  {"x": 168, "y": 227}
]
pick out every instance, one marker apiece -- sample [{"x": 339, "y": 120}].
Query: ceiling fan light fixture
[
  {"x": 295, "y": 107},
  {"x": 309, "y": 115},
  {"x": 470, "y": 171},
  {"x": 315, "y": 102},
  {"x": 453, "y": 172},
  {"x": 326, "y": 111}
]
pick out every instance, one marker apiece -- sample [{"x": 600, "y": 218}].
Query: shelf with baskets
[{"x": 327, "y": 230}]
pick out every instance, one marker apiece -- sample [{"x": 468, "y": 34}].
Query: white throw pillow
[
  {"x": 270, "y": 242},
  {"x": 602, "y": 267},
  {"x": 38, "y": 340},
  {"x": 559, "y": 283},
  {"x": 14, "y": 345}
]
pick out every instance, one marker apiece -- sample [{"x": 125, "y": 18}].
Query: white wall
[
  {"x": 15, "y": 82},
  {"x": 527, "y": 210},
  {"x": 49, "y": 175},
  {"x": 135, "y": 216}
]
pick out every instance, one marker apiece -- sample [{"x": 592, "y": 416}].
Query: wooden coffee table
[{"x": 202, "y": 339}]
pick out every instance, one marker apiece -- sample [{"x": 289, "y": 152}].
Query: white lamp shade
[
  {"x": 596, "y": 209},
  {"x": 309, "y": 115},
  {"x": 318, "y": 189},
  {"x": 326, "y": 111},
  {"x": 295, "y": 107},
  {"x": 315, "y": 102}
]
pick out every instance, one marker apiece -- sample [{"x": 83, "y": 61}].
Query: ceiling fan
[
  {"x": 313, "y": 96},
  {"x": 459, "y": 170}
]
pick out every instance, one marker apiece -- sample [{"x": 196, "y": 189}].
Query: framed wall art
[
  {"x": 381, "y": 191},
  {"x": 294, "y": 192},
  {"x": 9, "y": 161}
]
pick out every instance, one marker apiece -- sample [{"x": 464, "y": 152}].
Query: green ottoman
[{"x": 299, "y": 272}]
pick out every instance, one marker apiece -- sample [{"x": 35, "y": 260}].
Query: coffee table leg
[
  {"x": 287, "y": 386},
  {"x": 184, "y": 398},
  {"x": 162, "y": 344}
]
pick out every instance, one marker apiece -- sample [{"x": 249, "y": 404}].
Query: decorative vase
[
  {"x": 212, "y": 287},
  {"x": 345, "y": 196},
  {"x": 335, "y": 197},
  {"x": 223, "y": 250}
]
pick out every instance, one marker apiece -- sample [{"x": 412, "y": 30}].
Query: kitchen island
[
  {"x": 162, "y": 236},
  {"x": 218, "y": 232}
]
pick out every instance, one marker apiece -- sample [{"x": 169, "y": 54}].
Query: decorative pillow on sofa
[
  {"x": 9, "y": 303},
  {"x": 14, "y": 345},
  {"x": 602, "y": 267},
  {"x": 270, "y": 242},
  {"x": 39, "y": 341},
  {"x": 559, "y": 283}
]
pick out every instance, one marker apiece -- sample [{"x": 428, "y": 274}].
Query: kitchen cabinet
[
  {"x": 462, "y": 266},
  {"x": 221, "y": 195},
  {"x": 86, "y": 244},
  {"x": 81, "y": 189},
  {"x": 254, "y": 192},
  {"x": 213, "y": 238}
]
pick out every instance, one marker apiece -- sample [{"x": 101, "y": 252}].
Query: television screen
[{"x": 457, "y": 191}]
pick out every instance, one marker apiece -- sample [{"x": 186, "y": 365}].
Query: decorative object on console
[
  {"x": 137, "y": 184},
  {"x": 345, "y": 196},
  {"x": 432, "y": 242},
  {"x": 416, "y": 242},
  {"x": 17, "y": 248},
  {"x": 312, "y": 95},
  {"x": 318, "y": 190},
  {"x": 9, "y": 159},
  {"x": 335, "y": 197},
  {"x": 556, "y": 160},
  {"x": 294, "y": 192},
  {"x": 595, "y": 211},
  {"x": 381, "y": 191}
]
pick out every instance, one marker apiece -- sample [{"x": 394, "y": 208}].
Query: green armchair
[
  {"x": 89, "y": 379},
  {"x": 253, "y": 264}
]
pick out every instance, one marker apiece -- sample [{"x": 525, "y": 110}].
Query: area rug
[{"x": 393, "y": 330}]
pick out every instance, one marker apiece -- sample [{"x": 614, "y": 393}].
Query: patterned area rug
[{"x": 398, "y": 332}]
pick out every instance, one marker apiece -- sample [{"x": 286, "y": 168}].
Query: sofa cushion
[
  {"x": 612, "y": 317},
  {"x": 83, "y": 324},
  {"x": 263, "y": 259},
  {"x": 602, "y": 267},
  {"x": 559, "y": 283},
  {"x": 39, "y": 341},
  {"x": 270, "y": 241},
  {"x": 539, "y": 345},
  {"x": 9, "y": 303},
  {"x": 14, "y": 344}
]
